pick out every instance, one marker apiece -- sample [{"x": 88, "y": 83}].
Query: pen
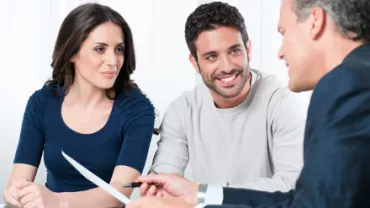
[
  {"x": 132, "y": 185},
  {"x": 137, "y": 184}
]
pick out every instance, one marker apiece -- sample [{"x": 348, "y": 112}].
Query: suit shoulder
[
  {"x": 344, "y": 83},
  {"x": 345, "y": 77},
  {"x": 354, "y": 71}
]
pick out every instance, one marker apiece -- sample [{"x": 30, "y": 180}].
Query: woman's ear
[{"x": 72, "y": 59}]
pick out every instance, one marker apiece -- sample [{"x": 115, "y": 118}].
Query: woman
[{"x": 90, "y": 109}]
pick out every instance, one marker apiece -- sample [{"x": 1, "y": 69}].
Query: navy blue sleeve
[
  {"x": 31, "y": 140},
  {"x": 235, "y": 196},
  {"x": 138, "y": 127}
]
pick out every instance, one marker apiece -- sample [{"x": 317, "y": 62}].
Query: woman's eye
[
  {"x": 99, "y": 49},
  {"x": 120, "y": 50}
]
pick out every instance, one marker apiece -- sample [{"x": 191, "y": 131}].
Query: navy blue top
[{"x": 124, "y": 140}]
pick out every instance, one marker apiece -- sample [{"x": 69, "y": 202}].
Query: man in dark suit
[{"x": 326, "y": 47}]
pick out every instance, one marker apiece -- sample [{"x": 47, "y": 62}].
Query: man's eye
[
  {"x": 211, "y": 57},
  {"x": 236, "y": 51}
]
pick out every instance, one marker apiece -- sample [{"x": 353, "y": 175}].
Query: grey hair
[{"x": 351, "y": 16}]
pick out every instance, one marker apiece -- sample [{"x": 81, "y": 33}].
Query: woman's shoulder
[
  {"x": 133, "y": 100},
  {"x": 38, "y": 100},
  {"x": 47, "y": 91},
  {"x": 40, "y": 95}
]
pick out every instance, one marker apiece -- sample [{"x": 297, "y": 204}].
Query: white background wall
[{"x": 29, "y": 29}]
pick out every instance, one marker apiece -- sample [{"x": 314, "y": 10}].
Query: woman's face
[{"x": 100, "y": 57}]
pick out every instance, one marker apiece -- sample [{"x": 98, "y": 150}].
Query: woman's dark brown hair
[{"x": 74, "y": 31}]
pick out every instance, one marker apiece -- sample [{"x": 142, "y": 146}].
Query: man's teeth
[{"x": 228, "y": 79}]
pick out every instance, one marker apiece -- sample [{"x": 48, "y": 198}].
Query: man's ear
[
  {"x": 248, "y": 47},
  {"x": 194, "y": 62},
  {"x": 317, "y": 20}
]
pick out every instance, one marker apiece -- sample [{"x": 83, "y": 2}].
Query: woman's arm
[
  {"x": 23, "y": 171},
  {"x": 97, "y": 197},
  {"x": 29, "y": 149}
]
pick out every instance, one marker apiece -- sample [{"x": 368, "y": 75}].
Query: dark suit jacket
[{"x": 336, "y": 170}]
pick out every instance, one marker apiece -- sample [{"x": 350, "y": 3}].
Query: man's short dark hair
[{"x": 210, "y": 16}]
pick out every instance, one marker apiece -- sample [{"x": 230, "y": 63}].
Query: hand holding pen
[
  {"x": 137, "y": 184},
  {"x": 168, "y": 185},
  {"x": 148, "y": 188}
]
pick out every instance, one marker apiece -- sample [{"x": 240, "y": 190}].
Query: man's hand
[
  {"x": 169, "y": 185},
  {"x": 158, "y": 202}
]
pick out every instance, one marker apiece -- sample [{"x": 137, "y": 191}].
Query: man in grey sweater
[{"x": 241, "y": 128}]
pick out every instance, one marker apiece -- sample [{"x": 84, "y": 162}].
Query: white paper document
[{"x": 96, "y": 180}]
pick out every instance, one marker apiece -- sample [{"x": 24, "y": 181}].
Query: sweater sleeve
[{"x": 172, "y": 155}]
